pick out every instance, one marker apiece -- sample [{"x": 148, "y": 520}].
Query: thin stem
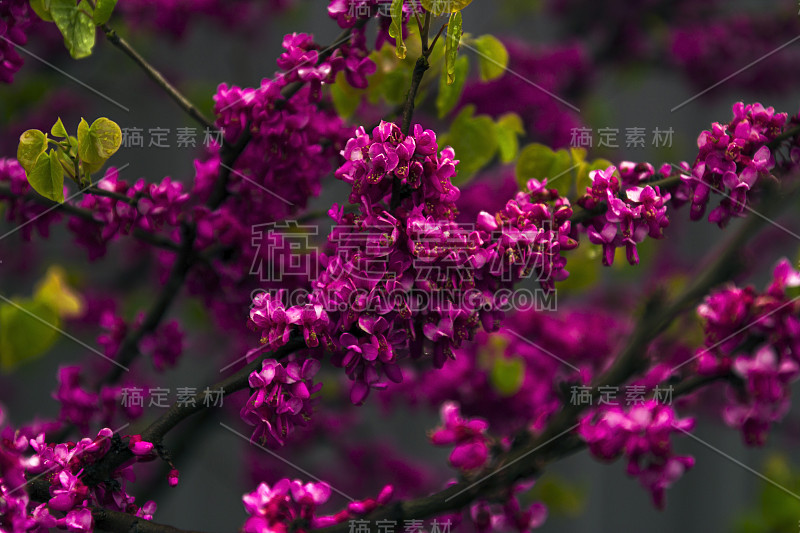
[
  {"x": 230, "y": 154},
  {"x": 436, "y": 39},
  {"x": 105, "y": 519},
  {"x": 85, "y": 214},
  {"x": 426, "y": 30},
  {"x": 114, "y": 38},
  {"x": 97, "y": 191},
  {"x": 420, "y": 67},
  {"x": 788, "y": 134}
]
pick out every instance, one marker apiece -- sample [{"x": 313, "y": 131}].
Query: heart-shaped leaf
[
  {"x": 98, "y": 142},
  {"x": 32, "y": 144},
  {"x": 76, "y": 25},
  {"x": 493, "y": 57},
  {"x": 47, "y": 177},
  {"x": 107, "y": 137}
]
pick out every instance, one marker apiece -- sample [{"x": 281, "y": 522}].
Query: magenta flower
[
  {"x": 469, "y": 436},
  {"x": 272, "y": 509},
  {"x": 641, "y": 433},
  {"x": 281, "y": 400},
  {"x": 768, "y": 384}
]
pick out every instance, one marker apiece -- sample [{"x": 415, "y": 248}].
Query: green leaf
[
  {"x": 507, "y": 375},
  {"x": 98, "y": 142},
  {"x": 441, "y": 7},
  {"x": 103, "y": 11},
  {"x": 47, "y": 177},
  {"x": 76, "y": 25},
  {"x": 58, "y": 129},
  {"x": 67, "y": 163},
  {"x": 86, "y": 149},
  {"x": 538, "y": 161},
  {"x": 474, "y": 142},
  {"x": 42, "y": 9},
  {"x": 32, "y": 144},
  {"x": 493, "y": 57},
  {"x": 449, "y": 95},
  {"x": 26, "y": 331},
  {"x": 107, "y": 136},
  {"x": 454, "y": 30},
  {"x": 509, "y": 127},
  {"x": 54, "y": 291},
  {"x": 396, "y": 28}
]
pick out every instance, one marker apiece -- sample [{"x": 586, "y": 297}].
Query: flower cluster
[
  {"x": 374, "y": 163},
  {"x": 284, "y": 161},
  {"x": 61, "y": 465},
  {"x": 25, "y": 214},
  {"x": 641, "y": 433},
  {"x": 15, "y": 18},
  {"x": 362, "y": 306},
  {"x": 300, "y": 61},
  {"x": 81, "y": 407},
  {"x": 272, "y": 509},
  {"x": 349, "y": 13},
  {"x": 292, "y": 142},
  {"x": 755, "y": 336},
  {"x": 281, "y": 400},
  {"x": 468, "y": 435},
  {"x": 585, "y": 339},
  {"x": 629, "y": 218},
  {"x": 488, "y": 517},
  {"x": 731, "y": 159},
  {"x": 165, "y": 345},
  {"x": 153, "y": 207}
]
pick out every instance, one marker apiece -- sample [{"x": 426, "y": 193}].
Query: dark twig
[
  {"x": 85, "y": 214},
  {"x": 558, "y": 440},
  {"x": 114, "y": 38},
  {"x": 130, "y": 346}
]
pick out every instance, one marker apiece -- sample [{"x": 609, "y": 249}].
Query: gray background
[{"x": 705, "y": 499}]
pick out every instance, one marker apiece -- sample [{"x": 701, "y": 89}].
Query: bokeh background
[{"x": 623, "y": 63}]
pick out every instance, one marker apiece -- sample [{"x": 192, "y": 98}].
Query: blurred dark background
[{"x": 622, "y": 93}]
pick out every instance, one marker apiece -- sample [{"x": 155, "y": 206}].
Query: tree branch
[
  {"x": 85, "y": 214},
  {"x": 155, "y": 432},
  {"x": 130, "y": 346},
  {"x": 114, "y": 38},
  {"x": 558, "y": 440},
  {"x": 416, "y": 78},
  {"x": 105, "y": 519}
]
